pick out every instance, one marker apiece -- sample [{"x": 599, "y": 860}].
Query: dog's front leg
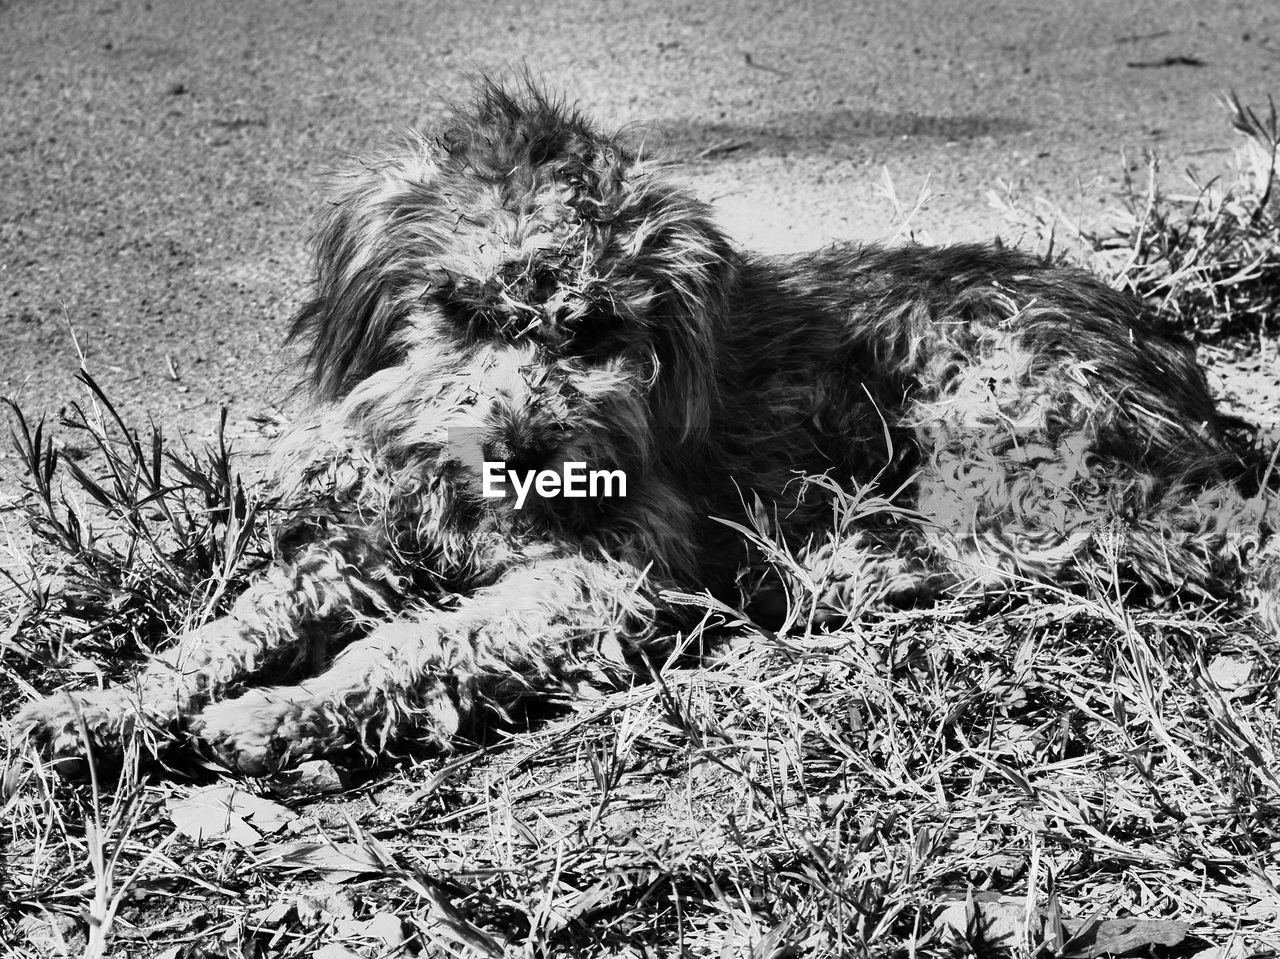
[
  {"x": 544, "y": 627},
  {"x": 288, "y": 615}
]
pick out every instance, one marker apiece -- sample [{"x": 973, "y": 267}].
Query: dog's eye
[
  {"x": 480, "y": 312},
  {"x": 471, "y": 322},
  {"x": 592, "y": 334},
  {"x": 542, "y": 286}
]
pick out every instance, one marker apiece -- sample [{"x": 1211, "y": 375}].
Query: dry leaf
[
  {"x": 271, "y": 916},
  {"x": 335, "y": 951},
  {"x": 335, "y": 862},
  {"x": 225, "y": 813},
  {"x": 53, "y": 934},
  {"x": 1230, "y": 673},
  {"x": 324, "y": 903},
  {"x": 995, "y": 920},
  {"x": 987, "y": 918},
  {"x": 319, "y": 776},
  {"x": 1118, "y": 937},
  {"x": 1235, "y": 949},
  {"x": 383, "y": 927}
]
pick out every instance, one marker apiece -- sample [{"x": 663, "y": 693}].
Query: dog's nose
[
  {"x": 496, "y": 451},
  {"x": 519, "y": 457}
]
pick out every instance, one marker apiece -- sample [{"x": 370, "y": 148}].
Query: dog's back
[{"x": 1019, "y": 406}]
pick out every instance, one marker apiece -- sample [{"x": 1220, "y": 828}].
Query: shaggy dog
[{"x": 519, "y": 288}]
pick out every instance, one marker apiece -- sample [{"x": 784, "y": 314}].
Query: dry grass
[
  {"x": 1062, "y": 775},
  {"x": 1207, "y": 258}
]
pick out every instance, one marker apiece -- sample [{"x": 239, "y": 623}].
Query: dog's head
[{"x": 520, "y": 275}]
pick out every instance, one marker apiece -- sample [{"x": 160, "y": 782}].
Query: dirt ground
[{"x": 159, "y": 159}]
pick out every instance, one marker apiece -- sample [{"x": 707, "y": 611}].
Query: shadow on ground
[{"x": 808, "y": 132}]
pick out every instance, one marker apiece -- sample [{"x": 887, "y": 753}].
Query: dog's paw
[
  {"x": 266, "y": 731},
  {"x": 258, "y": 734},
  {"x": 71, "y": 730}
]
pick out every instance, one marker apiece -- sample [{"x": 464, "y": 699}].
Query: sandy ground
[{"x": 158, "y": 159}]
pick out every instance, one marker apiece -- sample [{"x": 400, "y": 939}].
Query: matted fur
[{"x": 518, "y": 286}]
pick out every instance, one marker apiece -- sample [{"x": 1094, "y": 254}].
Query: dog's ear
[
  {"x": 375, "y": 245},
  {"x": 676, "y": 273}
]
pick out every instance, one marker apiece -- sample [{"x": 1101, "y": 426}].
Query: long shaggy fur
[{"x": 517, "y": 286}]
